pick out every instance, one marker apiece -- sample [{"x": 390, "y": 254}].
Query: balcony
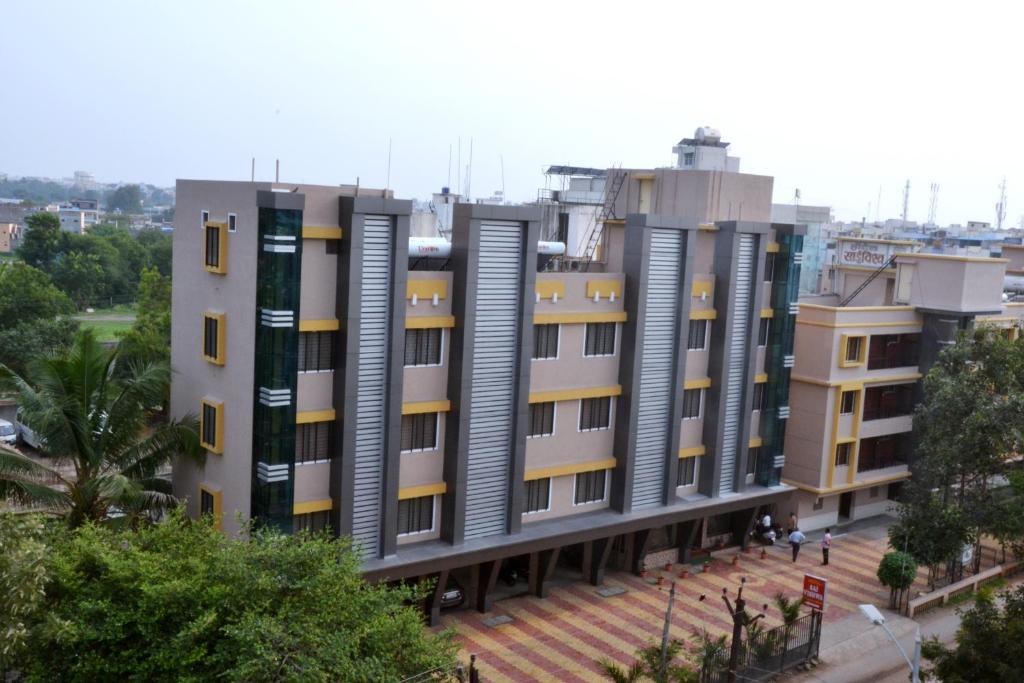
[
  {"x": 885, "y": 402},
  {"x": 883, "y": 452},
  {"x": 893, "y": 351}
]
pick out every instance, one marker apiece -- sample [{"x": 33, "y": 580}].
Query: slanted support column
[
  {"x": 686, "y": 534},
  {"x": 542, "y": 568},
  {"x": 432, "y": 605},
  {"x": 602, "y": 549},
  {"x": 636, "y": 559},
  {"x": 488, "y": 577}
]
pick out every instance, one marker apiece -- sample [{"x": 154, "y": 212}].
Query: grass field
[{"x": 107, "y": 322}]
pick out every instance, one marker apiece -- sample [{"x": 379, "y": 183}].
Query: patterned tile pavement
[{"x": 560, "y": 638}]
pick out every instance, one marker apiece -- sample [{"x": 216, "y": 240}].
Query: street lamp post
[{"x": 877, "y": 618}]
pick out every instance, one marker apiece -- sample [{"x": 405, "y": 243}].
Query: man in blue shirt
[{"x": 796, "y": 537}]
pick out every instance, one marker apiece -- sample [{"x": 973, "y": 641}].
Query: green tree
[
  {"x": 897, "y": 571},
  {"x": 647, "y": 666},
  {"x": 80, "y": 276},
  {"x": 149, "y": 339},
  {"x": 42, "y": 240},
  {"x": 126, "y": 198},
  {"x": 181, "y": 601},
  {"x": 158, "y": 249},
  {"x": 95, "y": 417},
  {"x": 22, "y": 581},
  {"x": 33, "y": 313},
  {"x": 989, "y": 644}
]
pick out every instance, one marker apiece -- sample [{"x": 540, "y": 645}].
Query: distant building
[
  {"x": 84, "y": 180},
  {"x": 705, "y": 151},
  {"x": 79, "y": 215},
  {"x": 10, "y": 236}
]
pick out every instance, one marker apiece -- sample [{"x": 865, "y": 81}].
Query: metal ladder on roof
[
  {"x": 607, "y": 213},
  {"x": 868, "y": 280}
]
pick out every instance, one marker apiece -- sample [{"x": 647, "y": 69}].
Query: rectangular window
[
  {"x": 419, "y": 432},
  {"x": 687, "y": 475},
  {"x": 818, "y": 504},
  {"x": 893, "y": 351},
  {"x": 331, "y": 247},
  {"x": 852, "y": 351},
  {"x": 312, "y": 522},
  {"x": 232, "y": 222},
  {"x": 545, "y": 341},
  {"x": 752, "y": 455},
  {"x": 542, "y": 419},
  {"x": 415, "y": 515},
  {"x": 423, "y": 347},
  {"x": 692, "y": 403},
  {"x": 314, "y": 441},
  {"x": 209, "y": 504},
  {"x": 316, "y": 351},
  {"x": 600, "y": 339},
  {"x": 538, "y": 495},
  {"x": 697, "y": 340},
  {"x": 769, "y": 267},
  {"x": 203, "y": 217},
  {"x": 688, "y": 158},
  {"x": 762, "y": 331},
  {"x": 211, "y": 425},
  {"x": 590, "y": 487},
  {"x": 205, "y": 502},
  {"x": 214, "y": 331},
  {"x": 843, "y": 454},
  {"x": 216, "y": 246},
  {"x": 595, "y": 413},
  {"x": 848, "y": 401},
  {"x": 760, "y": 396}
]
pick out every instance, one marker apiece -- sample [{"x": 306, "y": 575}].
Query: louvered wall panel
[
  {"x": 736, "y": 370},
  {"x": 660, "y": 326},
  {"x": 371, "y": 404},
  {"x": 495, "y": 355}
]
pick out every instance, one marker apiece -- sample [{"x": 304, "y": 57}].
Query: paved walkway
[{"x": 560, "y": 638}]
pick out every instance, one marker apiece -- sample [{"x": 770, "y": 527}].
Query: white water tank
[{"x": 707, "y": 134}]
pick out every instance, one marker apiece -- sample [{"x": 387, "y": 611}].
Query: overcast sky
[{"x": 836, "y": 103}]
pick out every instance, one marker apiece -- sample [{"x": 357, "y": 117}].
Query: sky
[{"x": 838, "y": 100}]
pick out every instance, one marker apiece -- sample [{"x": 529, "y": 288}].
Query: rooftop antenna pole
[
  {"x": 277, "y": 170},
  {"x": 387, "y": 181},
  {"x": 933, "y": 204},
  {"x": 449, "y": 166},
  {"x": 906, "y": 201},
  {"x": 459, "y": 166},
  {"x": 469, "y": 170},
  {"x": 252, "y": 174},
  {"x": 1001, "y": 206}
]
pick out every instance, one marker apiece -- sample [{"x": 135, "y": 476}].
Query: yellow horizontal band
[
  {"x": 426, "y": 407},
  {"x": 692, "y": 451},
  {"x": 767, "y": 313},
  {"x": 642, "y": 176},
  {"x": 330, "y": 325},
  {"x": 710, "y": 227},
  {"x": 547, "y": 289},
  {"x": 772, "y": 248},
  {"x": 817, "y": 323},
  {"x": 709, "y": 314},
  {"x": 848, "y": 487},
  {"x": 572, "y": 468},
  {"x": 702, "y": 287},
  {"x": 422, "y": 322},
  {"x": 312, "y": 506},
  {"x": 426, "y": 289},
  {"x": 761, "y": 378},
  {"x": 568, "y": 318},
  {"x": 702, "y": 383},
  {"x": 421, "y": 491},
  {"x": 574, "y": 394},
  {"x": 755, "y": 442},
  {"x": 320, "y": 232},
  {"x": 845, "y": 439},
  {"x": 307, "y": 416},
  {"x": 604, "y": 289}
]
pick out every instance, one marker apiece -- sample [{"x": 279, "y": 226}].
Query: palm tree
[{"x": 93, "y": 412}]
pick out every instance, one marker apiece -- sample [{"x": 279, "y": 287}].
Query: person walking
[
  {"x": 826, "y": 543},
  {"x": 796, "y": 537},
  {"x": 791, "y": 526}
]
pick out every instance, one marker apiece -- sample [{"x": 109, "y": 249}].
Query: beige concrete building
[{"x": 859, "y": 356}]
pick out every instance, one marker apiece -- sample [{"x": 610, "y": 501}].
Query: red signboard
[{"x": 815, "y": 589}]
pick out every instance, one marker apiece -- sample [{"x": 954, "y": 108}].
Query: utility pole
[
  {"x": 933, "y": 203},
  {"x": 1001, "y": 206},
  {"x": 664, "y": 632},
  {"x": 740, "y": 620},
  {"x": 906, "y": 201}
]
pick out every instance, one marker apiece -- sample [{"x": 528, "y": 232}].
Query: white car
[{"x": 8, "y": 434}]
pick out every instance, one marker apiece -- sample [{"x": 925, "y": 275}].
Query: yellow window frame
[
  {"x": 217, "y": 495},
  {"x": 862, "y": 355},
  {"x": 218, "y": 407},
  {"x": 222, "y": 247},
  {"x": 222, "y": 352}
]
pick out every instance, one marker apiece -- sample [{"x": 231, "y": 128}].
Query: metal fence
[
  {"x": 455, "y": 674},
  {"x": 771, "y": 652}
]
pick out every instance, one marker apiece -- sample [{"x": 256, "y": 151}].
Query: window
[
  {"x": 698, "y": 337},
  {"x": 590, "y": 487},
  {"x": 214, "y": 330},
  {"x": 595, "y": 413},
  {"x": 545, "y": 341},
  {"x": 688, "y": 158},
  {"x": 873, "y": 492},
  {"x": 232, "y": 222},
  {"x": 419, "y": 432},
  {"x": 205, "y": 502},
  {"x": 316, "y": 351},
  {"x": 852, "y": 351},
  {"x": 819, "y": 503},
  {"x": 415, "y": 515},
  {"x": 314, "y": 441},
  {"x": 538, "y": 495},
  {"x": 215, "y": 253},
  {"x": 894, "y": 351},
  {"x": 600, "y": 339},
  {"x": 542, "y": 419},
  {"x": 312, "y": 521},
  {"x": 769, "y": 266},
  {"x": 563, "y": 228},
  {"x": 687, "y": 475},
  {"x": 843, "y": 454},
  {"x": 209, "y": 504},
  {"x": 848, "y": 401},
  {"x": 203, "y": 217},
  {"x": 692, "y": 400},
  {"x": 752, "y": 456},
  {"x": 762, "y": 332},
  {"x": 211, "y": 426},
  {"x": 760, "y": 396},
  {"x": 331, "y": 247},
  {"x": 423, "y": 347}
]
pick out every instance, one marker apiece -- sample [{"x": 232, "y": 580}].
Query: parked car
[
  {"x": 26, "y": 435},
  {"x": 8, "y": 434},
  {"x": 453, "y": 594}
]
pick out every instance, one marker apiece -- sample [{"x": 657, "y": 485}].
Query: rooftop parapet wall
[{"x": 955, "y": 284}]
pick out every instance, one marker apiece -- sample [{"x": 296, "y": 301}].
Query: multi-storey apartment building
[
  {"x": 859, "y": 357},
  {"x": 454, "y": 413}
]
